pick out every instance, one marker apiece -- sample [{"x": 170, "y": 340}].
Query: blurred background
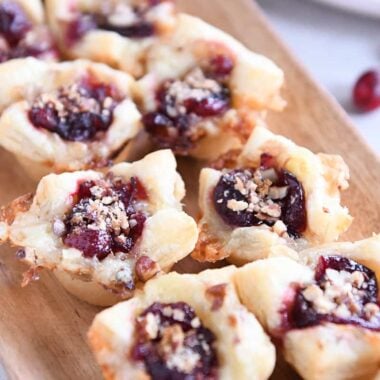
[{"x": 337, "y": 46}]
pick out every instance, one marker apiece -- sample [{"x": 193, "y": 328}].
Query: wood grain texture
[{"x": 43, "y": 329}]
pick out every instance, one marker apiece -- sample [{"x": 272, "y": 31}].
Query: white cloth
[{"x": 335, "y": 46}]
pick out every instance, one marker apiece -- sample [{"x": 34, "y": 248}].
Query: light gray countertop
[{"x": 335, "y": 46}]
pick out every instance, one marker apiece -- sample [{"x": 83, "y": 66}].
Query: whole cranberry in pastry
[
  {"x": 78, "y": 28},
  {"x": 107, "y": 217},
  {"x": 184, "y": 107},
  {"x": 344, "y": 292},
  {"x": 18, "y": 37},
  {"x": 220, "y": 66},
  {"x": 127, "y": 20},
  {"x": 173, "y": 344},
  {"x": 77, "y": 112},
  {"x": 247, "y": 197},
  {"x": 13, "y": 22},
  {"x": 366, "y": 93}
]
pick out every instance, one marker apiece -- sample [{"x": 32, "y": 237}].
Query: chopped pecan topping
[
  {"x": 232, "y": 320},
  {"x": 19, "y": 205},
  {"x": 173, "y": 343},
  {"x": 146, "y": 268},
  {"x": 344, "y": 292},
  {"x": 32, "y": 274},
  {"x": 216, "y": 294},
  {"x": 81, "y": 111},
  {"x": 227, "y": 160}
]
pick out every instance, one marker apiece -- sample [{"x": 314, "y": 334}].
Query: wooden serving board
[{"x": 43, "y": 329}]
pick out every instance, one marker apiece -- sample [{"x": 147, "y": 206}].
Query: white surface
[
  {"x": 335, "y": 46},
  {"x": 369, "y": 7}
]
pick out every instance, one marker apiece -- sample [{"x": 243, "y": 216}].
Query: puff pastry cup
[
  {"x": 169, "y": 332},
  {"x": 115, "y": 32},
  {"x": 324, "y": 308},
  {"x": 22, "y": 31},
  {"x": 273, "y": 193},
  {"x": 65, "y": 116},
  {"x": 204, "y": 90},
  {"x": 115, "y": 230}
]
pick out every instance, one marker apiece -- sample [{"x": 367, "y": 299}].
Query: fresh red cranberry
[
  {"x": 221, "y": 66},
  {"x": 195, "y": 338},
  {"x": 289, "y": 199},
  {"x": 110, "y": 200},
  {"x": 13, "y": 22},
  {"x": 366, "y": 93},
  {"x": 302, "y": 314},
  {"x": 77, "y": 118}
]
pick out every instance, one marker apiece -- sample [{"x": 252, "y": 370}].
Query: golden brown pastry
[
  {"x": 65, "y": 116},
  {"x": 116, "y": 32},
  {"x": 324, "y": 309},
  {"x": 204, "y": 90},
  {"x": 116, "y": 229},
  {"x": 275, "y": 193},
  {"x": 22, "y": 31},
  {"x": 183, "y": 327}
]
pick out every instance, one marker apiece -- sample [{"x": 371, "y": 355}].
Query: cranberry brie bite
[
  {"x": 116, "y": 229},
  {"x": 183, "y": 327},
  {"x": 324, "y": 309},
  {"x": 70, "y": 116},
  {"x": 22, "y": 33},
  {"x": 276, "y": 193},
  {"x": 204, "y": 90},
  {"x": 116, "y": 32}
]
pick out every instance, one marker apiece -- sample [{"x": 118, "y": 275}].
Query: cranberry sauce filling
[
  {"x": 185, "y": 105},
  {"x": 18, "y": 38},
  {"x": 173, "y": 344},
  {"x": 107, "y": 217},
  {"x": 247, "y": 197},
  {"x": 344, "y": 292},
  {"x": 130, "y": 21},
  {"x": 77, "y": 112}
]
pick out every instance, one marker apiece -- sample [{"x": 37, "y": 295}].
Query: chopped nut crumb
[
  {"x": 216, "y": 294},
  {"x": 258, "y": 193},
  {"x": 151, "y": 326},
  {"x": 146, "y": 268},
  {"x": 235, "y": 205},
  {"x": 195, "y": 85},
  {"x": 341, "y": 294},
  {"x": 59, "y": 227}
]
